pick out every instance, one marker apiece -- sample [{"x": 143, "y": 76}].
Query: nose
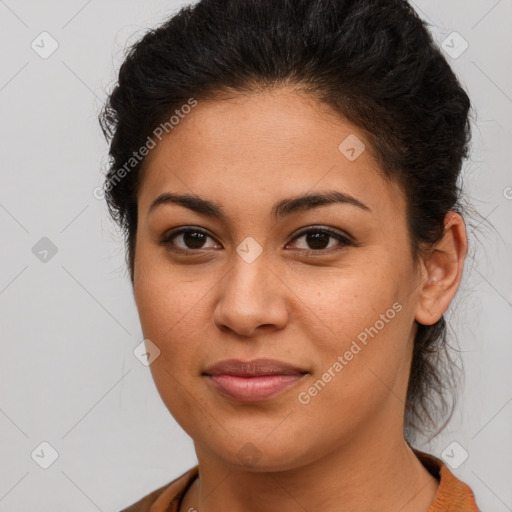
[{"x": 251, "y": 298}]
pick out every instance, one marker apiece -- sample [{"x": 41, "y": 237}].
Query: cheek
[
  {"x": 347, "y": 300},
  {"x": 163, "y": 295},
  {"x": 174, "y": 321},
  {"x": 365, "y": 348},
  {"x": 172, "y": 317},
  {"x": 362, "y": 374}
]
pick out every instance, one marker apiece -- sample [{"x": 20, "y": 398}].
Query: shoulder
[
  {"x": 167, "y": 497},
  {"x": 453, "y": 494}
]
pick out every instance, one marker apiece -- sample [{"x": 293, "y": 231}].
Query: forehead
[{"x": 258, "y": 148}]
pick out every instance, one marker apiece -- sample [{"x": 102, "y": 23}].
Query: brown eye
[
  {"x": 318, "y": 239},
  {"x": 186, "y": 239}
]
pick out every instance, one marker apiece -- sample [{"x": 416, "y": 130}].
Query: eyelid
[
  {"x": 342, "y": 237},
  {"x": 169, "y": 236},
  {"x": 324, "y": 229}
]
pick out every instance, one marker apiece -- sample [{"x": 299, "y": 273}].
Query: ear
[{"x": 442, "y": 271}]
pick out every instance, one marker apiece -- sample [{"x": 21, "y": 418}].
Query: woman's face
[{"x": 326, "y": 287}]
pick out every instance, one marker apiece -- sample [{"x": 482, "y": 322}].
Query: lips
[{"x": 252, "y": 381}]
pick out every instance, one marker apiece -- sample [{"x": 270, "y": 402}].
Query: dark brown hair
[{"x": 373, "y": 61}]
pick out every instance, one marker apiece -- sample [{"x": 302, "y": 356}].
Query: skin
[{"x": 346, "y": 445}]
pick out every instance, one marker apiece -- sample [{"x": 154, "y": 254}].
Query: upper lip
[{"x": 252, "y": 368}]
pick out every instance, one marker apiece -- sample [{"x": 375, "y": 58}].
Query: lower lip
[{"x": 252, "y": 389}]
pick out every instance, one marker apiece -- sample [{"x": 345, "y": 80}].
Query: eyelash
[{"x": 345, "y": 241}]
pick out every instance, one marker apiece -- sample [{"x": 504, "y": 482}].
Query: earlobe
[{"x": 442, "y": 271}]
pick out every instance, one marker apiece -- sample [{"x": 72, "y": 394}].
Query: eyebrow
[{"x": 281, "y": 209}]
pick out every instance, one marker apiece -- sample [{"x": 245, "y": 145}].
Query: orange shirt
[{"x": 453, "y": 495}]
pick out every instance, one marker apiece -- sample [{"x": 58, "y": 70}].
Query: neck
[{"x": 379, "y": 475}]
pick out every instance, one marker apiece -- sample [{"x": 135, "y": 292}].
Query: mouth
[{"x": 252, "y": 381}]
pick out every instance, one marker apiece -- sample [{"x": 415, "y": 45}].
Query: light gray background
[{"x": 69, "y": 325}]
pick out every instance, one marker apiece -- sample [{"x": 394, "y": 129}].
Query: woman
[{"x": 286, "y": 176}]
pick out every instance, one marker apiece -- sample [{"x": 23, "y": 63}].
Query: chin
[{"x": 259, "y": 454}]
